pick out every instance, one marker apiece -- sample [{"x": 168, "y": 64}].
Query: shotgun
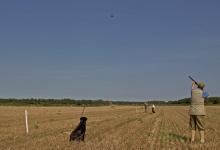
[{"x": 193, "y": 80}]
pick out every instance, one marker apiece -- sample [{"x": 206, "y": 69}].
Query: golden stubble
[{"x": 108, "y": 128}]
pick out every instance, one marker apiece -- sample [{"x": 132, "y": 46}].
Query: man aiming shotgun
[{"x": 197, "y": 110}]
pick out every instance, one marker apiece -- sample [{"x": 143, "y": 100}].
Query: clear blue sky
[{"x": 75, "y": 49}]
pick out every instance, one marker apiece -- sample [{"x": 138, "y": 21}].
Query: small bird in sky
[{"x": 112, "y": 15}]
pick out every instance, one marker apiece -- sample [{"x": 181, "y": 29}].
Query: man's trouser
[{"x": 197, "y": 122}]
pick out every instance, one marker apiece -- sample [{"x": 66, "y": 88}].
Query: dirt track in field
[{"x": 112, "y": 128}]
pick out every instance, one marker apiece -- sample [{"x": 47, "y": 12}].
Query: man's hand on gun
[{"x": 193, "y": 83}]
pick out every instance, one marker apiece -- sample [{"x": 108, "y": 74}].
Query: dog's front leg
[{"x": 83, "y": 137}]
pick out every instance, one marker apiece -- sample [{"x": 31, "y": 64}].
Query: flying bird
[{"x": 112, "y": 15}]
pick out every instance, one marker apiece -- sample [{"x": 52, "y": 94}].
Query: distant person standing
[
  {"x": 145, "y": 107},
  {"x": 197, "y": 110},
  {"x": 153, "y": 108}
]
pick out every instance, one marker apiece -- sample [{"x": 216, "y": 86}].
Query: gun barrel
[{"x": 193, "y": 80}]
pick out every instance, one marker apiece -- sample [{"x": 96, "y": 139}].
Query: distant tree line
[
  {"x": 62, "y": 102},
  {"x": 100, "y": 102},
  {"x": 51, "y": 102},
  {"x": 185, "y": 101}
]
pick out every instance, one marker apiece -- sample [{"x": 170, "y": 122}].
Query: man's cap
[{"x": 201, "y": 84}]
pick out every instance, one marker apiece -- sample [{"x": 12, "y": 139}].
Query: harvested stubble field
[{"x": 112, "y": 128}]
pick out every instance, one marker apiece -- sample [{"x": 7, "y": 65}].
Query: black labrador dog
[{"x": 79, "y": 132}]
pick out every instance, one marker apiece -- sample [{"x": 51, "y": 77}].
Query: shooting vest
[{"x": 197, "y": 103}]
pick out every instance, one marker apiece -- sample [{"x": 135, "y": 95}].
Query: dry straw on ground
[{"x": 108, "y": 128}]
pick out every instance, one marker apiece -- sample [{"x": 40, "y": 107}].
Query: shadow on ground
[{"x": 177, "y": 136}]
